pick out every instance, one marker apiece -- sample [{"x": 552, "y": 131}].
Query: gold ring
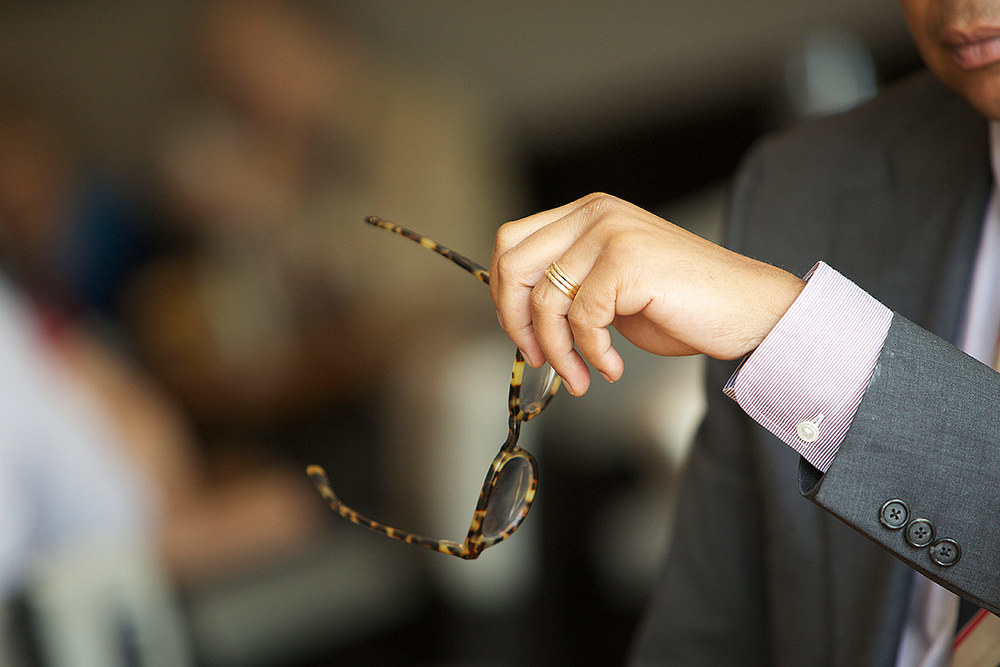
[{"x": 562, "y": 282}]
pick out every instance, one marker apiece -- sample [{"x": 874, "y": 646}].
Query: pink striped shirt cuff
[{"x": 805, "y": 380}]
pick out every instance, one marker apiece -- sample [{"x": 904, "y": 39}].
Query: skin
[
  {"x": 959, "y": 40},
  {"x": 665, "y": 289}
]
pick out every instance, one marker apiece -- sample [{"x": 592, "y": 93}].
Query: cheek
[{"x": 922, "y": 16}]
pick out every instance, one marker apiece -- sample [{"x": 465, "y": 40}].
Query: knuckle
[
  {"x": 505, "y": 264},
  {"x": 606, "y": 217},
  {"x": 538, "y": 300},
  {"x": 503, "y": 236},
  {"x": 596, "y": 204},
  {"x": 519, "y": 334},
  {"x": 579, "y": 316}
]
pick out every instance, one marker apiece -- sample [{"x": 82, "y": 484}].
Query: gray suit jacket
[{"x": 893, "y": 196}]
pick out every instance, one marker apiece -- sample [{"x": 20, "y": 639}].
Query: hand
[{"x": 665, "y": 289}]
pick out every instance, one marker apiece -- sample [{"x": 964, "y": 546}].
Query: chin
[
  {"x": 980, "y": 87},
  {"x": 984, "y": 96}
]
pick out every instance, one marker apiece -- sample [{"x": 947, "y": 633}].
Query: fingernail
[{"x": 607, "y": 377}]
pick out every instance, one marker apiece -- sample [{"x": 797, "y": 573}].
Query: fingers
[
  {"x": 549, "y": 307},
  {"x": 590, "y": 316},
  {"x": 522, "y": 252},
  {"x": 512, "y": 234},
  {"x": 665, "y": 289},
  {"x": 534, "y": 312}
]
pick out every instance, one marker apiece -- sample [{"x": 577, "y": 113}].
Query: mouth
[{"x": 974, "y": 49}]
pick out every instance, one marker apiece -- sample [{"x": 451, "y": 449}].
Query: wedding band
[{"x": 562, "y": 282}]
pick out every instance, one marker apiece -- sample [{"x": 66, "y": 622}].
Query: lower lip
[{"x": 978, "y": 54}]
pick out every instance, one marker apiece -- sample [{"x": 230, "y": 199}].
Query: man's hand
[{"x": 665, "y": 289}]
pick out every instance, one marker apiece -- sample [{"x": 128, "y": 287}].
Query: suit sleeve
[
  {"x": 755, "y": 572},
  {"x": 926, "y": 433},
  {"x": 919, "y": 469}
]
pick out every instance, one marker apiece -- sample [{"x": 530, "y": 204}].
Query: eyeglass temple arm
[
  {"x": 322, "y": 482},
  {"x": 470, "y": 265}
]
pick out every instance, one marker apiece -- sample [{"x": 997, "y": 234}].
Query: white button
[{"x": 808, "y": 430}]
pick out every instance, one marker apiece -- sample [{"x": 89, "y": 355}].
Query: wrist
[{"x": 774, "y": 292}]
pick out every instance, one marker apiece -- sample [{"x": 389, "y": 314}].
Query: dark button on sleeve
[
  {"x": 920, "y": 532},
  {"x": 945, "y": 552},
  {"x": 894, "y": 514}
]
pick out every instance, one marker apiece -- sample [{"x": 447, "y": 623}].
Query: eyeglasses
[{"x": 511, "y": 481}]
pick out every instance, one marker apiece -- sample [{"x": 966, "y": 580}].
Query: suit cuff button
[
  {"x": 919, "y": 533},
  {"x": 945, "y": 552},
  {"x": 894, "y": 514}
]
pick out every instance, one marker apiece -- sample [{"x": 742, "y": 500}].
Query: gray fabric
[
  {"x": 892, "y": 195},
  {"x": 927, "y": 433}
]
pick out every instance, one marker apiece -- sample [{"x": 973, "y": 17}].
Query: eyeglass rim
[{"x": 475, "y": 541}]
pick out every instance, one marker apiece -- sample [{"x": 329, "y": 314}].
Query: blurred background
[{"x": 191, "y": 311}]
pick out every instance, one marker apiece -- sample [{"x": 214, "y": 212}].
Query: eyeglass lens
[
  {"x": 510, "y": 495},
  {"x": 536, "y": 388}
]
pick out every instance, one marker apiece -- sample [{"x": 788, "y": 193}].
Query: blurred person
[
  {"x": 71, "y": 233},
  {"x": 892, "y": 429},
  {"x": 70, "y": 249},
  {"x": 63, "y": 475},
  {"x": 66, "y": 484}
]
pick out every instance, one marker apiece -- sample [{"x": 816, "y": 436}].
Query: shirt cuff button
[{"x": 808, "y": 430}]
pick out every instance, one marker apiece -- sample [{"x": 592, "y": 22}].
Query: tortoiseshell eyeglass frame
[{"x": 475, "y": 540}]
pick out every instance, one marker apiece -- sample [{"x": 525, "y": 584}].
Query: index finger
[
  {"x": 512, "y": 233},
  {"x": 518, "y": 269},
  {"x": 513, "y": 274}
]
